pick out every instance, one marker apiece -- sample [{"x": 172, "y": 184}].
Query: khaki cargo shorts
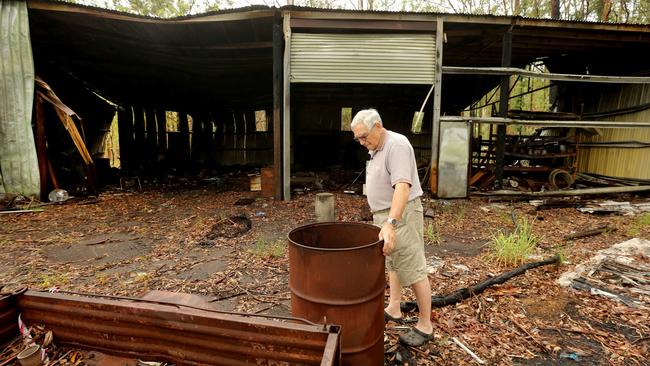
[{"x": 407, "y": 259}]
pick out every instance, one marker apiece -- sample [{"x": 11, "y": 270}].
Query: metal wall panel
[
  {"x": 453, "y": 163},
  {"x": 616, "y": 161},
  {"x": 363, "y": 58},
  {"x": 18, "y": 161}
]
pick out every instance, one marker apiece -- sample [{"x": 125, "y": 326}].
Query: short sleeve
[{"x": 400, "y": 164}]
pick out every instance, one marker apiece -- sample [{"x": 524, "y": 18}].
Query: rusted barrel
[{"x": 336, "y": 275}]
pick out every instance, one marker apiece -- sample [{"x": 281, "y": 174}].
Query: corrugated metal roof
[{"x": 18, "y": 161}]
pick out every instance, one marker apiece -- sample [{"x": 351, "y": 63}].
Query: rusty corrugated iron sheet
[
  {"x": 622, "y": 162},
  {"x": 174, "y": 333},
  {"x": 8, "y": 318},
  {"x": 337, "y": 276},
  {"x": 18, "y": 162}
]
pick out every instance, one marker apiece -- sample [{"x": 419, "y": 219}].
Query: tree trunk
[
  {"x": 607, "y": 9},
  {"x": 555, "y": 9}
]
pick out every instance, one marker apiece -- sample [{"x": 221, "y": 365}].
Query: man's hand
[{"x": 387, "y": 234}]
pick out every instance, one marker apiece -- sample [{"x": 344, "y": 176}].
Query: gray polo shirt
[{"x": 391, "y": 163}]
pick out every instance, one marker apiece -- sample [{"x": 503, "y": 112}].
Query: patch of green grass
[
  {"x": 561, "y": 253},
  {"x": 47, "y": 280},
  {"x": 461, "y": 211},
  {"x": 268, "y": 248},
  {"x": 641, "y": 222},
  {"x": 513, "y": 248},
  {"x": 432, "y": 234}
]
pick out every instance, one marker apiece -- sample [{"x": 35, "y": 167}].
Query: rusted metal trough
[{"x": 183, "y": 335}]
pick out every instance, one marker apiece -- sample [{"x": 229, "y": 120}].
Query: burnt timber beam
[
  {"x": 286, "y": 120},
  {"x": 277, "y": 110},
  {"x": 506, "y": 60}
]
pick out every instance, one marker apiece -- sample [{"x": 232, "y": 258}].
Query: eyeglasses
[{"x": 363, "y": 137}]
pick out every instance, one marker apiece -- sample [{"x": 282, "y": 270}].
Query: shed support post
[
  {"x": 286, "y": 125},
  {"x": 435, "y": 127},
  {"x": 506, "y": 58},
  {"x": 277, "y": 110}
]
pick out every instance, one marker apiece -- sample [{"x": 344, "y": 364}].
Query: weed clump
[{"x": 513, "y": 248}]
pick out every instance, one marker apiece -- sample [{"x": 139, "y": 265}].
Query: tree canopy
[{"x": 621, "y": 11}]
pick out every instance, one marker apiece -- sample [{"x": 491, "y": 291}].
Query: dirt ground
[{"x": 190, "y": 239}]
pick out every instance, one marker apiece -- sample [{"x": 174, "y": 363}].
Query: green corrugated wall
[{"x": 18, "y": 162}]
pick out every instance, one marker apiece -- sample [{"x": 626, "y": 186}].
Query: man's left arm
[{"x": 398, "y": 203}]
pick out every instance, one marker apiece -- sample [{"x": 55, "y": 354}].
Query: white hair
[{"x": 368, "y": 117}]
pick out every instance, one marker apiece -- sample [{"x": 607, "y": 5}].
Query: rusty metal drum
[{"x": 336, "y": 276}]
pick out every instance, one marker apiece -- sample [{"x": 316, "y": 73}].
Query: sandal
[
  {"x": 390, "y": 318},
  {"x": 415, "y": 337}
]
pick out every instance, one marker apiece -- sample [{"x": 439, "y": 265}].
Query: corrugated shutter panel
[
  {"x": 18, "y": 161},
  {"x": 363, "y": 58}
]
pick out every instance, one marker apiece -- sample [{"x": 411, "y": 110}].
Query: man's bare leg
[
  {"x": 422, "y": 291},
  {"x": 393, "y": 308}
]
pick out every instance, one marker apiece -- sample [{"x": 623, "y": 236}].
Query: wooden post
[
  {"x": 140, "y": 143},
  {"x": 286, "y": 126},
  {"x": 161, "y": 122},
  {"x": 184, "y": 130},
  {"x": 152, "y": 137},
  {"x": 325, "y": 207},
  {"x": 219, "y": 121},
  {"x": 125, "y": 129},
  {"x": 506, "y": 57},
  {"x": 41, "y": 145},
  {"x": 208, "y": 137},
  {"x": 197, "y": 136},
  {"x": 277, "y": 110},
  {"x": 435, "y": 127}
]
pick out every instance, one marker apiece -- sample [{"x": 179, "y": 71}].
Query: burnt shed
[{"x": 306, "y": 69}]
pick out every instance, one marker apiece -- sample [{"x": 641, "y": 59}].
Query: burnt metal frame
[{"x": 181, "y": 334}]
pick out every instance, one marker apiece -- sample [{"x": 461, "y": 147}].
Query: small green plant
[
  {"x": 432, "y": 234},
  {"x": 53, "y": 279},
  {"x": 640, "y": 223},
  {"x": 265, "y": 248},
  {"x": 514, "y": 247},
  {"x": 462, "y": 209},
  {"x": 561, "y": 254}
]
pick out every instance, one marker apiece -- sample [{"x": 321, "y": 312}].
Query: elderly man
[{"x": 393, "y": 190}]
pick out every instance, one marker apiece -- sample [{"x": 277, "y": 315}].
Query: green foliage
[
  {"x": 160, "y": 8},
  {"x": 628, "y": 11},
  {"x": 432, "y": 234},
  {"x": 461, "y": 210},
  {"x": 53, "y": 279},
  {"x": 268, "y": 248},
  {"x": 561, "y": 253},
  {"x": 513, "y": 248}
]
